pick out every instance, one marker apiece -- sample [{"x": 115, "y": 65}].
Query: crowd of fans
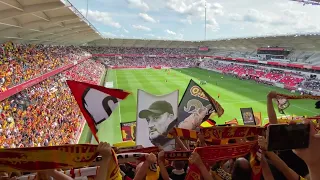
[
  {"x": 291, "y": 79},
  {"x": 149, "y": 61},
  {"x": 46, "y": 114},
  {"x": 313, "y": 85},
  {"x": 302, "y": 164},
  {"x": 19, "y": 63},
  {"x": 140, "y": 51}
]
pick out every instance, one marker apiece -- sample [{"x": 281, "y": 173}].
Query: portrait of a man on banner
[
  {"x": 247, "y": 116},
  {"x": 156, "y": 117}
]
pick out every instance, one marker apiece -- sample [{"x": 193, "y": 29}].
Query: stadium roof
[
  {"x": 55, "y": 22},
  {"x": 45, "y": 22},
  {"x": 310, "y": 42}
]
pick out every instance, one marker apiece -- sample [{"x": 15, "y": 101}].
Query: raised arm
[
  {"x": 201, "y": 140},
  {"x": 266, "y": 172},
  {"x": 104, "y": 150},
  {"x": 277, "y": 161},
  {"x": 196, "y": 159},
  {"x": 163, "y": 170},
  {"x": 142, "y": 170}
]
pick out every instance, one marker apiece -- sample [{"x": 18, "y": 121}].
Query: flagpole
[
  {"x": 205, "y": 20},
  {"x": 87, "y": 8}
]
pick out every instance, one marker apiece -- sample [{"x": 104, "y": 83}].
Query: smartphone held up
[{"x": 287, "y": 136}]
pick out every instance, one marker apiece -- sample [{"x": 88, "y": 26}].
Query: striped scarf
[{"x": 283, "y": 100}]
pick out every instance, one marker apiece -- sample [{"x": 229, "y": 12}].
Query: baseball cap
[{"x": 158, "y": 107}]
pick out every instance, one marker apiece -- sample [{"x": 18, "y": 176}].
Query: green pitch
[{"x": 234, "y": 94}]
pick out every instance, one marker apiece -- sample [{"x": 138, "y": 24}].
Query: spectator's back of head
[
  {"x": 241, "y": 170},
  {"x": 178, "y": 165}
]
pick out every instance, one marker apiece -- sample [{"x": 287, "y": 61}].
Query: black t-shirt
[
  {"x": 177, "y": 176},
  {"x": 294, "y": 162}
]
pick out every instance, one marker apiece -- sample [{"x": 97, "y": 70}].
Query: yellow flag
[{"x": 257, "y": 116}]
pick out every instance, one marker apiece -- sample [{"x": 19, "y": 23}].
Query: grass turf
[{"x": 234, "y": 94}]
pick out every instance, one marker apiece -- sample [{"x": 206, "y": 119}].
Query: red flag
[{"x": 95, "y": 102}]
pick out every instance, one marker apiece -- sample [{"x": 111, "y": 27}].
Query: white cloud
[
  {"x": 101, "y": 17},
  {"x": 195, "y": 10},
  {"x": 173, "y": 35},
  {"x": 147, "y": 18},
  {"x": 159, "y": 37},
  {"x": 254, "y": 15},
  {"x": 235, "y": 17},
  {"x": 282, "y": 22},
  {"x": 225, "y": 18},
  {"x": 140, "y": 4},
  {"x": 179, "y": 36},
  {"x": 140, "y": 27},
  {"x": 170, "y": 32},
  {"x": 108, "y": 34},
  {"x": 186, "y": 20}
]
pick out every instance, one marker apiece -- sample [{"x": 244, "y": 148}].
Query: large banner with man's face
[
  {"x": 156, "y": 115},
  {"x": 196, "y": 106}
]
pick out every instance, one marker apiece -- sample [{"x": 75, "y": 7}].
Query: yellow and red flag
[
  {"x": 128, "y": 131},
  {"x": 233, "y": 122},
  {"x": 208, "y": 123},
  {"x": 257, "y": 117}
]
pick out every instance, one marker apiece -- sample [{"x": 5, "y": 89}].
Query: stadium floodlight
[{"x": 308, "y": 2}]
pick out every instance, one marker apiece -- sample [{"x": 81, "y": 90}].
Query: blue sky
[{"x": 184, "y": 19}]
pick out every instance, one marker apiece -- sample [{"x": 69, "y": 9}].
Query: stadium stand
[
  {"x": 289, "y": 79},
  {"x": 149, "y": 61},
  {"x": 314, "y": 59},
  {"x": 19, "y": 63},
  {"x": 52, "y": 42},
  {"x": 46, "y": 114}
]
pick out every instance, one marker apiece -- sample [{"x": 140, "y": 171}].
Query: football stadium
[{"x": 93, "y": 89}]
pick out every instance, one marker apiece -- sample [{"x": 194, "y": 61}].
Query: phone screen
[{"x": 285, "y": 137}]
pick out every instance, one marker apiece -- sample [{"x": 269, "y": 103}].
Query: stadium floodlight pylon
[{"x": 308, "y": 2}]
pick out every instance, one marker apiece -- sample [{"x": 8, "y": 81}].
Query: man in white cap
[{"x": 161, "y": 119}]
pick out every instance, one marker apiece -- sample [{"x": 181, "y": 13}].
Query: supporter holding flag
[
  {"x": 96, "y": 102},
  {"x": 196, "y": 106}
]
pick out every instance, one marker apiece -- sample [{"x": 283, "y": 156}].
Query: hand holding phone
[{"x": 287, "y": 136}]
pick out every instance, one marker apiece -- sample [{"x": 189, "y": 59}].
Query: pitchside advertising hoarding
[
  {"x": 203, "y": 48},
  {"x": 108, "y": 84}
]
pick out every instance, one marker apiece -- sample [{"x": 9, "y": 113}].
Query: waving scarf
[{"x": 283, "y": 100}]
